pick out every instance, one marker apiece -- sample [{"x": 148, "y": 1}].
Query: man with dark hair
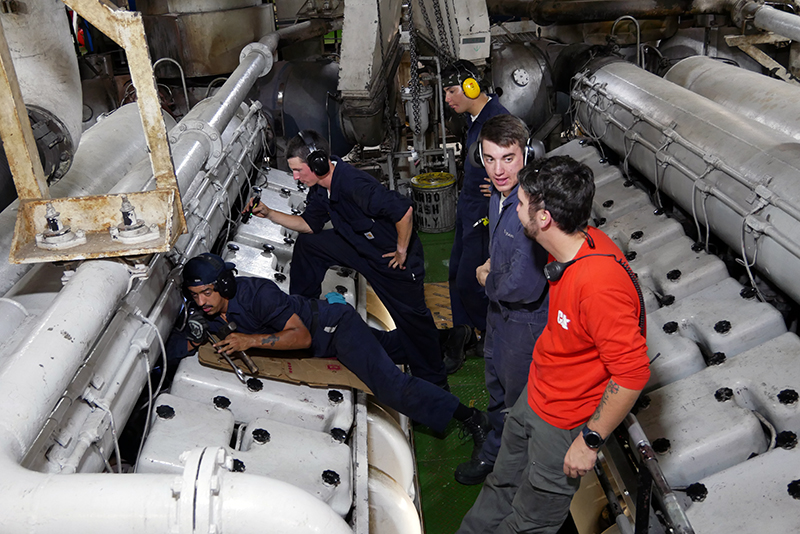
[
  {"x": 372, "y": 233},
  {"x": 514, "y": 282},
  {"x": 589, "y": 364},
  {"x": 268, "y": 318},
  {"x": 468, "y": 302}
]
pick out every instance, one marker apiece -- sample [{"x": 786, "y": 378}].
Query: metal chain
[
  {"x": 412, "y": 35},
  {"x": 380, "y": 31},
  {"x": 450, "y": 25},
  {"x": 441, "y": 50}
]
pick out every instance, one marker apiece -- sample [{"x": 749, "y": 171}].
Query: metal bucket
[{"x": 434, "y": 195}]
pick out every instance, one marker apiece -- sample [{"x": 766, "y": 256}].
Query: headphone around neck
[
  {"x": 317, "y": 159},
  {"x": 554, "y": 270},
  {"x": 533, "y": 150}
]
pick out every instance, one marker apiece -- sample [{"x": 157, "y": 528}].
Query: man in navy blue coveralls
[
  {"x": 515, "y": 285},
  {"x": 468, "y": 300},
  {"x": 268, "y": 318},
  {"x": 372, "y": 233}
]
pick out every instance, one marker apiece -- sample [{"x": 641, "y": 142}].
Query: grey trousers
[{"x": 527, "y": 492}]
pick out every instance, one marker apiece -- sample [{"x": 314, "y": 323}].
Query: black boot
[
  {"x": 453, "y": 348},
  {"x": 472, "y": 472},
  {"x": 477, "y": 427}
]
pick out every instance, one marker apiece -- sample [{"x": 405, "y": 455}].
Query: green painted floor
[{"x": 445, "y": 501}]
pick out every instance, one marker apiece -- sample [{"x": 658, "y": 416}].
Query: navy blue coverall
[
  {"x": 468, "y": 300},
  {"x": 364, "y": 214},
  {"x": 260, "y": 307},
  {"x": 517, "y": 291}
]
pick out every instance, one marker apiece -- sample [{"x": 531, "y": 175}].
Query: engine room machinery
[{"x": 134, "y": 133}]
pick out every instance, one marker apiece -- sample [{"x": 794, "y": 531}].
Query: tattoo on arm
[
  {"x": 269, "y": 340},
  {"x": 611, "y": 389}
]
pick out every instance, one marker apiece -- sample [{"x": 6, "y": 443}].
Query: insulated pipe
[
  {"x": 31, "y": 383},
  {"x": 736, "y": 177},
  {"x": 546, "y": 12},
  {"x": 108, "y": 150},
  {"x": 774, "y": 20},
  {"x": 771, "y": 102}
]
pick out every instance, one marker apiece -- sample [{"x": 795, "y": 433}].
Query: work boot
[
  {"x": 474, "y": 348},
  {"x": 477, "y": 427},
  {"x": 453, "y": 348},
  {"x": 472, "y": 472}
]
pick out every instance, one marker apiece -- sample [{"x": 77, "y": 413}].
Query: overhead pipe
[
  {"x": 772, "y": 102},
  {"x": 545, "y": 12},
  {"x": 768, "y": 18},
  {"x": 735, "y": 176}
]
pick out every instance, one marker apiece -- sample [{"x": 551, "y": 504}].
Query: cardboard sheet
[{"x": 296, "y": 366}]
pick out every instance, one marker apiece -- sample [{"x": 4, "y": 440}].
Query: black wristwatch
[{"x": 592, "y": 439}]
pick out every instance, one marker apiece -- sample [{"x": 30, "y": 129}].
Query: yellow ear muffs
[{"x": 471, "y": 88}]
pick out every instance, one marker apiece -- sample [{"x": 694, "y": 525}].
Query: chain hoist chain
[
  {"x": 380, "y": 31},
  {"x": 441, "y": 49},
  {"x": 450, "y": 25},
  {"x": 437, "y": 11},
  {"x": 414, "y": 82}
]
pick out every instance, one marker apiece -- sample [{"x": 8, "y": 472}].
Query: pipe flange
[
  {"x": 190, "y": 126},
  {"x": 199, "y": 501},
  {"x": 261, "y": 49},
  {"x": 743, "y": 11}
]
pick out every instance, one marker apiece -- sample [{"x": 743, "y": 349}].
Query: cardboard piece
[{"x": 293, "y": 366}]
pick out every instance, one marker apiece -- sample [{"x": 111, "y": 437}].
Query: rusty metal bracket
[{"x": 94, "y": 217}]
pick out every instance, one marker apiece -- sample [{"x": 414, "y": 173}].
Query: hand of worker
[
  {"x": 398, "y": 259},
  {"x": 235, "y": 342},
  {"x": 482, "y": 272},
  {"x": 486, "y": 189},
  {"x": 579, "y": 459},
  {"x": 260, "y": 210}
]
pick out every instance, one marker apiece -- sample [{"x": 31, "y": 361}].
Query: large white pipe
[
  {"x": 35, "y": 376},
  {"x": 730, "y": 172},
  {"x": 770, "y": 101}
]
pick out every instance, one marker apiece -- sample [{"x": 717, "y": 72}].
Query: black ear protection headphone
[
  {"x": 533, "y": 150},
  {"x": 317, "y": 159},
  {"x": 225, "y": 284},
  {"x": 554, "y": 270}
]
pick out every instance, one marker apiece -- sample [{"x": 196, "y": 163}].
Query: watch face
[{"x": 592, "y": 439}]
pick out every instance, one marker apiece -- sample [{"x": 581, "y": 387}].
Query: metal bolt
[
  {"x": 674, "y": 275},
  {"x": 335, "y": 396},
  {"x": 717, "y": 358},
  {"x": 331, "y": 478},
  {"x": 608, "y": 203},
  {"x": 238, "y": 466},
  {"x": 786, "y": 440},
  {"x": 254, "y": 384},
  {"x": 261, "y": 435},
  {"x": 670, "y": 327},
  {"x": 630, "y": 256},
  {"x": 339, "y": 434},
  {"x": 794, "y": 489},
  {"x": 787, "y": 396},
  {"x": 637, "y": 235},
  {"x": 165, "y": 412},
  {"x": 698, "y": 247},
  {"x": 661, "y": 446},
  {"x": 723, "y": 394},
  {"x": 341, "y": 290},
  {"x": 668, "y": 300},
  {"x": 221, "y": 402},
  {"x": 748, "y": 293},
  {"x": 697, "y": 492},
  {"x": 722, "y": 327}
]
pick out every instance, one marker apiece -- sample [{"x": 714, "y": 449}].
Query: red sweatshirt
[{"x": 592, "y": 335}]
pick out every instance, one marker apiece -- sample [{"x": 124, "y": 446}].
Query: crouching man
[
  {"x": 268, "y": 318},
  {"x": 589, "y": 364}
]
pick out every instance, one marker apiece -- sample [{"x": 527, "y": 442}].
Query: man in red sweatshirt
[{"x": 589, "y": 364}]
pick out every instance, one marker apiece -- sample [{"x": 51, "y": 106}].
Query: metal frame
[{"x": 95, "y": 215}]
